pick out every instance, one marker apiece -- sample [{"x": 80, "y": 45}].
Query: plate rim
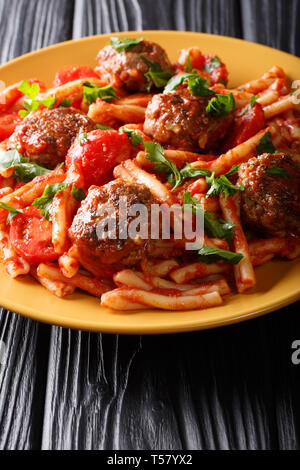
[{"x": 146, "y": 329}]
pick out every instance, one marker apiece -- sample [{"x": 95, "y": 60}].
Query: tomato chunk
[
  {"x": 73, "y": 72},
  {"x": 93, "y": 156},
  {"x": 8, "y": 123},
  {"x": 246, "y": 126},
  {"x": 31, "y": 236}
]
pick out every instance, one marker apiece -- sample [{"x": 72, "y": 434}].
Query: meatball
[
  {"x": 99, "y": 243},
  {"x": 45, "y": 136},
  {"x": 127, "y": 69},
  {"x": 179, "y": 119},
  {"x": 271, "y": 198}
]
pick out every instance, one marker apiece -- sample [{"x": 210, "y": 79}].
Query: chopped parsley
[
  {"x": 103, "y": 127},
  {"x": 265, "y": 144},
  {"x": 91, "y": 92},
  {"x": 65, "y": 103},
  {"x": 217, "y": 184},
  {"x": 212, "y": 65},
  {"x": 12, "y": 211},
  {"x": 278, "y": 171},
  {"x": 214, "y": 227},
  {"x": 155, "y": 76},
  {"x": 45, "y": 201},
  {"x": 249, "y": 107},
  {"x": 31, "y": 103},
  {"x": 189, "y": 172},
  {"x": 82, "y": 138},
  {"x": 161, "y": 163},
  {"x": 221, "y": 184},
  {"x": 124, "y": 44},
  {"x": 78, "y": 193},
  {"x": 136, "y": 139},
  {"x": 24, "y": 170},
  {"x": 209, "y": 255},
  {"x": 221, "y": 105},
  {"x": 188, "y": 66},
  {"x": 198, "y": 86}
]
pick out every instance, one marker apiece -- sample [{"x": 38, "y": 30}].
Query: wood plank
[
  {"x": 97, "y": 17},
  {"x": 274, "y": 23},
  {"x": 25, "y": 26}
]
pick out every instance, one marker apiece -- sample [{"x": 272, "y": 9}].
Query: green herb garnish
[
  {"x": 12, "y": 211},
  {"x": 155, "y": 76},
  {"x": 32, "y": 104},
  {"x": 265, "y": 144},
  {"x": 45, "y": 201},
  {"x": 209, "y": 255},
  {"x": 65, "y": 103},
  {"x": 212, "y": 65},
  {"x": 82, "y": 138},
  {"x": 214, "y": 227},
  {"x": 91, "y": 92},
  {"x": 78, "y": 193},
  {"x": 161, "y": 163},
  {"x": 198, "y": 86},
  {"x": 124, "y": 44},
  {"x": 221, "y": 105},
  {"x": 136, "y": 139},
  {"x": 24, "y": 171},
  {"x": 278, "y": 171},
  {"x": 103, "y": 127}
]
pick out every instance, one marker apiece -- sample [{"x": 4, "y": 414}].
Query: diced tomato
[
  {"x": 219, "y": 74},
  {"x": 73, "y": 72},
  {"x": 93, "y": 157},
  {"x": 246, "y": 126},
  {"x": 31, "y": 236},
  {"x": 8, "y": 123}
]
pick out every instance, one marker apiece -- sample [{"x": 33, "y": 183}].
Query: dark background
[{"x": 229, "y": 388}]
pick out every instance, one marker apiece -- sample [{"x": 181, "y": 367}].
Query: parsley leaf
[
  {"x": 155, "y": 76},
  {"x": 189, "y": 172},
  {"x": 32, "y": 104},
  {"x": 209, "y": 255},
  {"x": 249, "y": 107},
  {"x": 265, "y": 144},
  {"x": 221, "y": 184},
  {"x": 188, "y": 67},
  {"x": 44, "y": 202},
  {"x": 78, "y": 193},
  {"x": 12, "y": 211},
  {"x": 135, "y": 138},
  {"x": 162, "y": 164},
  {"x": 221, "y": 105},
  {"x": 198, "y": 86},
  {"x": 91, "y": 92},
  {"x": 124, "y": 44},
  {"x": 103, "y": 127},
  {"x": 24, "y": 171},
  {"x": 278, "y": 171},
  {"x": 212, "y": 65},
  {"x": 65, "y": 103},
  {"x": 82, "y": 138},
  {"x": 214, "y": 227}
]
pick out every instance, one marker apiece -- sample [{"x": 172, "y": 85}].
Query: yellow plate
[{"x": 278, "y": 281}]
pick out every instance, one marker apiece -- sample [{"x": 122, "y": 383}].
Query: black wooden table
[{"x": 229, "y": 388}]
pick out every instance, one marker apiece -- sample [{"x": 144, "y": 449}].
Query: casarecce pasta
[{"x": 77, "y": 158}]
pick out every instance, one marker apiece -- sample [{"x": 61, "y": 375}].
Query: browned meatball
[
  {"x": 179, "y": 119},
  {"x": 127, "y": 69},
  {"x": 45, "y": 136},
  {"x": 94, "y": 240},
  {"x": 271, "y": 199}
]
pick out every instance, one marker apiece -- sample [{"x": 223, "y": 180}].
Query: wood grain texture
[
  {"x": 230, "y": 388},
  {"x": 275, "y": 24}
]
